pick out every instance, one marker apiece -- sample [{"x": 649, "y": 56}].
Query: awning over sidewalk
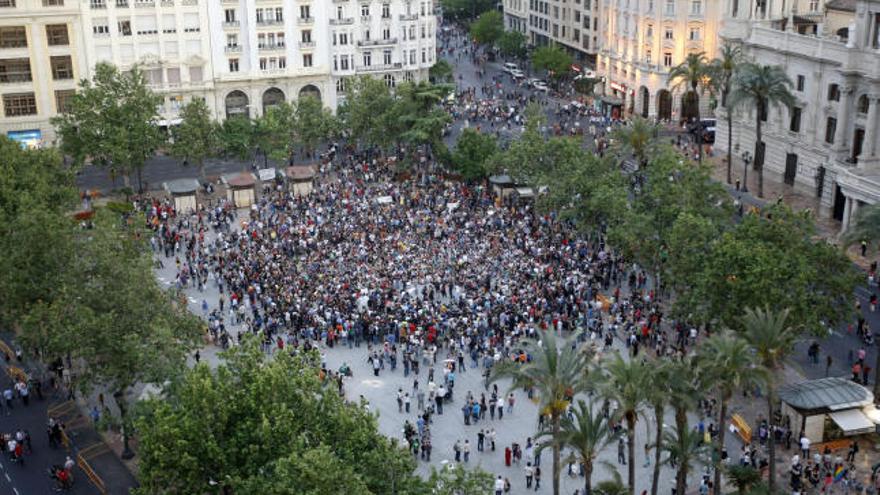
[{"x": 853, "y": 422}]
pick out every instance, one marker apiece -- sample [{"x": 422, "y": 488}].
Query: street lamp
[{"x": 747, "y": 159}]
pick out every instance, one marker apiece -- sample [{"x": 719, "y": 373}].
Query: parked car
[
  {"x": 517, "y": 74},
  {"x": 540, "y": 86},
  {"x": 510, "y": 67}
]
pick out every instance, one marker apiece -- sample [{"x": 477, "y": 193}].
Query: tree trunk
[
  {"x": 759, "y": 156},
  {"x": 658, "y": 439},
  {"x": 699, "y": 125},
  {"x": 119, "y": 397},
  {"x": 729, "y": 138},
  {"x": 631, "y": 449},
  {"x": 555, "y": 454},
  {"x": 681, "y": 427},
  {"x": 722, "y": 421},
  {"x": 588, "y": 474},
  {"x": 771, "y": 480}
]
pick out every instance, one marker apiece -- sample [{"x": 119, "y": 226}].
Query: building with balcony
[
  {"x": 572, "y": 24},
  {"x": 828, "y": 144},
  {"x": 41, "y": 59},
  {"x": 642, "y": 41}
]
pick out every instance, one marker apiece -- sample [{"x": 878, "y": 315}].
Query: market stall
[
  {"x": 301, "y": 179},
  {"x": 183, "y": 192},
  {"x": 240, "y": 188},
  {"x": 829, "y": 408}
]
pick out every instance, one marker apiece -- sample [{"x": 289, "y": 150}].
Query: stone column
[
  {"x": 847, "y": 209},
  {"x": 870, "y": 150},
  {"x": 844, "y": 109}
]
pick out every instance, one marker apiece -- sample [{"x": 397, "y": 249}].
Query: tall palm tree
[
  {"x": 685, "y": 391},
  {"x": 587, "y": 433},
  {"x": 730, "y": 365},
  {"x": 613, "y": 486},
  {"x": 772, "y": 339},
  {"x": 685, "y": 450},
  {"x": 625, "y": 383},
  {"x": 637, "y": 139},
  {"x": 658, "y": 398},
  {"x": 761, "y": 86},
  {"x": 692, "y": 74},
  {"x": 723, "y": 69},
  {"x": 556, "y": 372}
]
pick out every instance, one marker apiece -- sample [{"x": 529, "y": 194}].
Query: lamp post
[{"x": 747, "y": 159}]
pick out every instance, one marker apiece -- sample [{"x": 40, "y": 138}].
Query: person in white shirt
[{"x": 499, "y": 486}]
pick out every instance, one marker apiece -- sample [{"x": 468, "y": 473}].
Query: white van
[{"x": 510, "y": 67}]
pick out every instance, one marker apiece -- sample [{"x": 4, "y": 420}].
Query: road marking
[
  {"x": 15, "y": 490},
  {"x": 7, "y": 477}
]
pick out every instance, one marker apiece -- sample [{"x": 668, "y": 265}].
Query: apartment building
[
  {"x": 642, "y": 41},
  {"x": 41, "y": 58},
  {"x": 240, "y": 56},
  {"x": 828, "y": 144},
  {"x": 572, "y": 24}
]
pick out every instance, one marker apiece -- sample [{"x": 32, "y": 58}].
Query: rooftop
[{"x": 834, "y": 393}]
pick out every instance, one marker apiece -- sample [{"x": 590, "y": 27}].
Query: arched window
[
  {"x": 833, "y": 92},
  {"x": 863, "y": 105}
]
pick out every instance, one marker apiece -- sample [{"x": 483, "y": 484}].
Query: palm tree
[
  {"x": 658, "y": 398},
  {"x": 691, "y": 74},
  {"x": 685, "y": 449},
  {"x": 723, "y": 69},
  {"x": 744, "y": 478},
  {"x": 557, "y": 372},
  {"x": 685, "y": 389},
  {"x": 637, "y": 139},
  {"x": 761, "y": 86},
  {"x": 866, "y": 226},
  {"x": 772, "y": 340},
  {"x": 613, "y": 486},
  {"x": 587, "y": 433},
  {"x": 730, "y": 365},
  {"x": 626, "y": 384}
]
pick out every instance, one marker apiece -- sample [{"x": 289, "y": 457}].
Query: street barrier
[
  {"x": 93, "y": 477},
  {"x": 742, "y": 428}
]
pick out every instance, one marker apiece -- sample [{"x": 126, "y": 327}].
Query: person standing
[
  {"x": 466, "y": 448},
  {"x": 621, "y": 452},
  {"x": 491, "y": 436},
  {"x": 457, "y": 449},
  {"x": 537, "y": 478},
  {"x": 499, "y": 485},
  {"x": 481, "y": 438},
  {"x": 530, "y": 473}
]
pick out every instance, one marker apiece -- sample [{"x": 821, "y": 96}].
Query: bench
[{"x": 742, "y": 428}]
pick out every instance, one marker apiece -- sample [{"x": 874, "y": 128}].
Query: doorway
[
  {"x": 791, "y": 160},
  {"x": 839, "y": 204},
  {"x": 858, "y": 142}
]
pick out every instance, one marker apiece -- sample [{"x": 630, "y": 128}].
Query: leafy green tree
[
  {"x": 36, "y": 193},
  {"x": 773, "y": 258},
  {"x": 465, "y": 9},
  {"x": 586, "y": 433},
  {"x": 556, "y": 373},
  {"x": 723, "y": 68},
  {"x": 313, "y": 124},
  {"x": 637, "y": 139},
  {"x": 731, "y": 367},
  {"x": 625, "y": 382},
  {"x": 693, "y": 74},
  {"x": 772, "y": 338},
  {"x": 761, "y": 87},
  {"x": 441, "y": 72},
  {"x": 512, "y": 44},
  {"x": 553, "y": 59},
  {"x": 111, "y": 120},
  {"x": 110, "y": 319},
  {"x": 488, "y": 28},
  {"x": 585, "y": 85},
  {"x": 365, "y": 111},
  {"x": 230, "y": 430},
  {"x": 454, "y": 479},
  {"x": 865, "y": 227},
  {"x": 235, "y": 137},
  {"x": 472, "y": 152},
  {"x": 196, "y": 137},
  {"x": 273, "y": 133}
]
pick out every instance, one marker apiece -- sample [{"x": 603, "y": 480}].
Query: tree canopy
[
  {"x": 488, "y": 28},
  {"x": 472, "y": 153},
  {"x": 196, "y": 137},
  {"x": 465, "y": 9},
  {"x": 553, "y": 59},
  {"x": 512, "y": 44}
]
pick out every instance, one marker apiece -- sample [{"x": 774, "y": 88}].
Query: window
[
  {"x": 668, "y": 34},
  {"x": 279, "y": 14},
  {"x": 62, "y": 99},
  {"x": 340, "y": 85},
  {"x": 670, "y": 7},
  {"x": 648, "y": 58},
  {"x": 801, "y": 82},
  {"x": 830, "y": 130},
  {"x": 795, "y": 124},
  {"x": 366, "y": 35},
  {"x": 386, "y": 11},
  {"x": 13, "y": 37},
  {"x": 231, "y": 40},
  {"x": 230, "y": 14},
  {"x": 307, "y": 60},
  {"x": 7, "y": 3},
  {"x": 386, "y": 57},
  {"x": 365, "y": 12},
  {"x": 649, "y": 31},
  {"x": 195, "y": 74},
  {"x": 386, "y": 34},
  {"x": 368, "y": 59},
  {"x": 696, "y": 7},
  {"x": 14, "y": 70},
  {"x": 863, "y": 105},
  {"x": 282, "y": 62},
  {"x": 124, "y": 27},
  {"x": 18, "y": 104},
  {"x": 62, "y": 67},
  {"x": 56, "y": 34},
  {"x": 343, "y": 62},
  {"x": 233, "y": 65},
  {"x": 53, "y": 3},
  {"x": 264, "y": 63},
  {"x": 305, "y": 12},
  {"x": 833, "y": 92},
  {"x": 307, "y": 36},
  {"x": 98, "y": 4},
  {"x": 694, "y": 34},
  {"x": 389, "y": 80},
  {"x": 667, "y": 59}
]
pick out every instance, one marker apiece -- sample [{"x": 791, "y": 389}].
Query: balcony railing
[
  {"x": 305, "y": 21},
  {"x": 306, "y": 45},
  {"x": 409, "y": 17},
  {"x": 341, "y": 21},
  {"x": 267, "y": 47},
  {"x": 389, "y": 41},
  {"x": 233, "y": 49},
  {"x": 167, "y": 3},
  {"x": 379, "y": 67},
  {"x": 366, "y": 18},
  {"x": 269, "y": 22},
  {"x": 145, "y": 4},
  {"x": 231, "y": 24}
]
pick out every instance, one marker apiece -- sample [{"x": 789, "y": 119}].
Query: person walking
[
  {"x": 621, "y": 452},
  {"x": 537, "y": 478},
  {"x": 530, "y": 474}
]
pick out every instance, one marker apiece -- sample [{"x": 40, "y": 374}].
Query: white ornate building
[
  {"x": 642, "y": 40},
  {"x": 241, "y": 56},
  {"x": 828, "y": 145},
  {"x": 574, "y": 24}
]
